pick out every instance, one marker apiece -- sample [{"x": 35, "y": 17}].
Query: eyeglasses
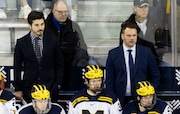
[{"x": 62, "y": 12}]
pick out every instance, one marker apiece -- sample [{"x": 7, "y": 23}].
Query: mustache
[{"x": 40, "y": 30}]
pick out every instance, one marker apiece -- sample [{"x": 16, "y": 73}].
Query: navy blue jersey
[
  {"x": 161, "y": 107},
  {"x": 7, "y": 103},
  {"x": 28, "y": 109},
  {"x": 6, "y": 96}
]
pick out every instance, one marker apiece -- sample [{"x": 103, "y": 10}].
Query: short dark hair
[
  {"x": 35, "y": 15},
  {"x": 125, "y": 25}
]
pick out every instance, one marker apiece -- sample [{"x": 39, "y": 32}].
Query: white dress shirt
[{"x": 126, "y": 56}]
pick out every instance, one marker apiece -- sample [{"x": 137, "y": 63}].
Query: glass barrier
[{"x": 100, "y": 23}]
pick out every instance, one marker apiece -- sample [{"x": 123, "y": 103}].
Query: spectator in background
[
  {"x": 147, "y": 27},
  {"x": 162, "y": 12},
  {"x": 94, "y": 99},
  {"x": 72, "y": 6},
  {"x": 25, "y": 9},
  {"x": 70, "y": 37},
  {"x": 146, "y": 102},
  {"x": 41, "y": 102},
  {"x": 40, "y": 5},
  {"x": 38, "y": 54},
  {"x": 2, "y": 9},
  {"x": 128, "y": 64}
]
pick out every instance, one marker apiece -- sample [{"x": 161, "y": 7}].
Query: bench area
[{"x": 169, "y": 89}]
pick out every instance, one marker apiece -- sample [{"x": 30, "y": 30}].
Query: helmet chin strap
[
  {"x": 94, "y": 92},
  {"x": 146, "y": 107},
  {"x": 97, "y": 91}
]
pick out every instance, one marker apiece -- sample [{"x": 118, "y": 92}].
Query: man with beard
[
  {"x": 39, "y": 55},
  {"x": 95, "y": 99}
]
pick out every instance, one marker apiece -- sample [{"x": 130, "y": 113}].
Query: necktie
[
  {"x": 131, "y": 64},
  {"x": 37, "y": 49}
]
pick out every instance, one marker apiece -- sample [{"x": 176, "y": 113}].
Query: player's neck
[{"x": 91, "y": 93}]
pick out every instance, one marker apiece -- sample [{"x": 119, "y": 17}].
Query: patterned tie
[
  {"x": 37, "y": 49},
  {"x": 131, "y": 64}
]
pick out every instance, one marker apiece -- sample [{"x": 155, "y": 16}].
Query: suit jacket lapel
[
  {"x": 137, "y": 58},
  {"x": 45, "y": 44},
  {"x": 121, "y": 58}
]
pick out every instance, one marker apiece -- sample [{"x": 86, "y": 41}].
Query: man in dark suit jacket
[
  {"x": 48, "y": 70},
  {"x": 118, "y": 74}
]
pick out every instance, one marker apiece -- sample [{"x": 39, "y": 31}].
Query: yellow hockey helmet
[
  {"x": 92, "y": 72},
  {"x": 39, "y": 92},
  {"x": 145, "y": 88}
]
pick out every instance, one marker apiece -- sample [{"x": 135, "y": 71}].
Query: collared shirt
[
  {"x": 143, "y": 26},
  {"x": 126, "y": 56},
  {"x": 40, "y": 42}
]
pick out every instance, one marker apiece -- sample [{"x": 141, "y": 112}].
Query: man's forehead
[
  {"x": 61, "y": 6},
  {"x": 147, "y": 96},
  {"x": 95, "y": 79},
  {"x": 38, "y": 21},
  {"x": 130, "y": 29}
]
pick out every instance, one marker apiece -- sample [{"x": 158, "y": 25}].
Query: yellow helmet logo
[
  {"x": 145, "y": 88},
  {"x": 93, "y": 72},
  {"x": 40, "y": 92}
]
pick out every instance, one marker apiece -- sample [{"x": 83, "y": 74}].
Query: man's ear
[
  {"x": 122, "y": 36},
  {"x": 134, "y": 9},
  {"x": 53, "y": 10}
]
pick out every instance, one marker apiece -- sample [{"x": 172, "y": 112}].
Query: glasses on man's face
[{"x": 62, "y": 12}]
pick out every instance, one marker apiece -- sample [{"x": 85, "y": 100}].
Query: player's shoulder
[
  {"x": 80, "y": 94},
  {"x": 160, "y": 102},
  {"x": 108, "y": 94},
  {"x": 6, "y": 95},
  {"x": 132, "y": 105},
  {"x": 26, "y": 109},
  {"x": 56, "y": 108}
]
